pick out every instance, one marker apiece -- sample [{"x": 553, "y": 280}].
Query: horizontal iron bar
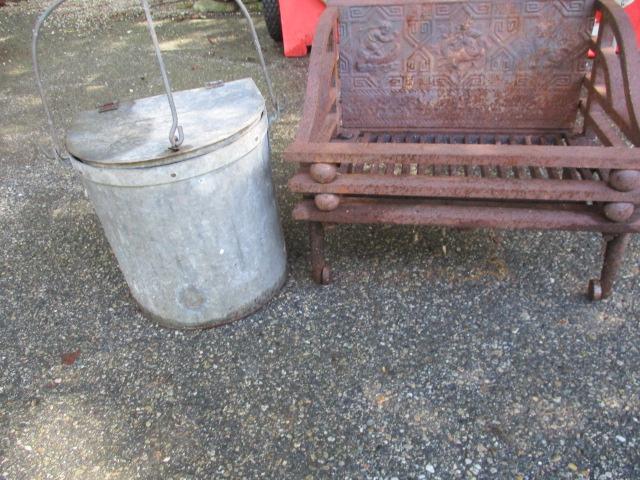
[
  {"x": 463, "y": 216},
  {"x": 464, "y": 131},
  {"x": 462, "y": 154},
  {"x": 464, "y": 187}
]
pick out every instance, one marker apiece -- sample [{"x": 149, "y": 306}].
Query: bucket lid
[{"x": 135, "y": 134}]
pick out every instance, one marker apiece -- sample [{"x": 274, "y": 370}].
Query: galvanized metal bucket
[{"x": 193, "y": 224}]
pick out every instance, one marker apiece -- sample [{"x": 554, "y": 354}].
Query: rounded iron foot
[
  {"x": 595, "y": 290},
  {"x": 326, "y": 275},
  {"x": 323, "y": 277}
]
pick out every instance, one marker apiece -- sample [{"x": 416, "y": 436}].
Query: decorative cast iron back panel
[{"x": 488, "y": 64}]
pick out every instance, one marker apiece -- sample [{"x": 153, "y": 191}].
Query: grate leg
[
  {"x": 613, "y": 256},
  {"x": 320, "y": 271}
]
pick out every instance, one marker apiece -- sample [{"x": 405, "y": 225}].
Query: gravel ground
[{"x": 435, "y": 354}]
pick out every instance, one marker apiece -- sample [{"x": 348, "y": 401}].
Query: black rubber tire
[{"x": 271, "y": 12}]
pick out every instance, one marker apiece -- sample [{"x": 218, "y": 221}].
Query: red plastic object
[
  {"x": 633, "y": 11},
  {"x": 299, "y": 20}
]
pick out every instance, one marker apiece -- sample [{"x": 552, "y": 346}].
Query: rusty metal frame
[{"x": 585, "y": 179}]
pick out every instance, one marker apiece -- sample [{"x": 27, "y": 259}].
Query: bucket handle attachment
[{"x": 176, "y": 133}]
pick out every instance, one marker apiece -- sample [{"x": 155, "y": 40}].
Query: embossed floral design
[
  {"x": 463, "y": 48},
  {"x": 379, "y": 48},
  {"x": 548, "y": 44}
]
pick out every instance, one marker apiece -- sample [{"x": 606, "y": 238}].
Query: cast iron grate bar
[{"x": 483, "y": 171}]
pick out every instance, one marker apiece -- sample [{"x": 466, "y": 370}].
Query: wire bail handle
[
  {"x": 176, "y": 133},
  {"x": 175, "y": 140}
]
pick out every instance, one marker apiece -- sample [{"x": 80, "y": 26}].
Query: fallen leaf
[
  {"x": 70, "y": 358},
  {"x": 381, "y": 399}
]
